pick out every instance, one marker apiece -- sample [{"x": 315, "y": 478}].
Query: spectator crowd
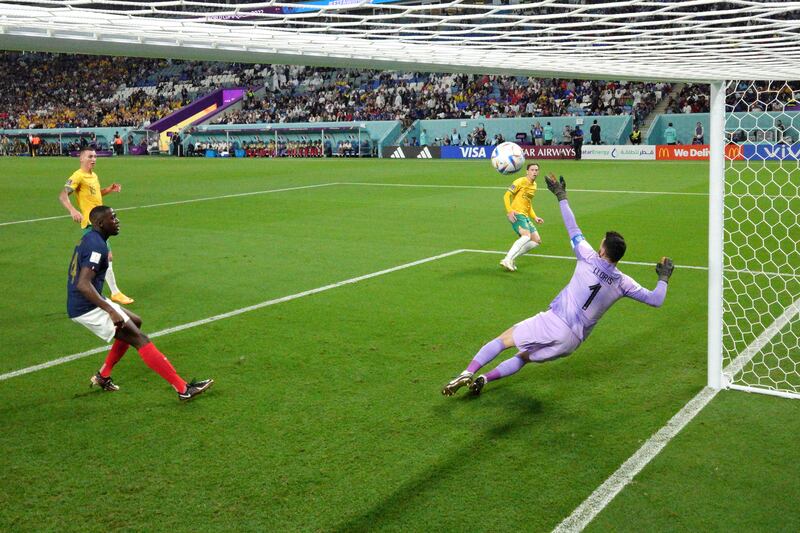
[{"x": 40, "y": 90}]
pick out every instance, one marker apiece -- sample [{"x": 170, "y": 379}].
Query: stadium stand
[{"x": 90, "y": 91}]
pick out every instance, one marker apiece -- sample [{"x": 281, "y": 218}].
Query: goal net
[
  {"x": 761, "y": 273},
  {"x": 680, "y": 40}
]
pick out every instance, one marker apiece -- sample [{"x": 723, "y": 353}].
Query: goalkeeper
[{"x": 595, "y": 286}]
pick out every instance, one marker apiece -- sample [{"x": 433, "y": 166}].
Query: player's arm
[
  {"x": 533, "y": 213},
  {"x": 582, "y": 249},
  {"x": 84, "y": 285},
  {"x": 63, "y": 197},
  {"x": 114, "y": 187},
  {"x": 656, "y": 297},
  {"x": 507, "y": 198}
]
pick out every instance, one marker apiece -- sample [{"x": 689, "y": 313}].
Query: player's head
[
  {"x": 533, "y": 170},
  {"x": 613, "y": 246},
  {"x": 87, "y": 157},
  {"x": 104, "y": 220}
]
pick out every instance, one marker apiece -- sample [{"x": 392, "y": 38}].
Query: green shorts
[
  {"x": 523, "y": 222},
  {"x": 87, "y": 229}
]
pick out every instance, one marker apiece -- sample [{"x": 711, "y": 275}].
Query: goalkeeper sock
[
  {"x": 111, "y": 279},
  {"x": 118, "y": 349},
  {"x": 528, "y": 246},
  {"x": 512, "y": 252},
  {"x": 506, "y": 368},
  {"x": 488, "y": 352},
  {"x": 158, "y": 362}
]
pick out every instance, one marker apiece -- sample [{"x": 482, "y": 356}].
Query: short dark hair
[
  {"x": 615, "y": 246},
  {"x": 97, "y": 213},
  {"x": 531, "y": 164}
]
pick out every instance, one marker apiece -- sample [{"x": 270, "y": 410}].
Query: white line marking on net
[
  {"x": 178, "y": 202},
  {"x": 430, "y": 186},
  {"x": 605, "y": 493},
  {"x": 758, "y": 344},
  {"x": 229, "y": 314}
]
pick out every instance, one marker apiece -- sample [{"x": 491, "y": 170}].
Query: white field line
[
  {"x": 178, "y": 202},
  {"x": 572, "y": 258},
  {"x": 758, "y": 344},
  {"x": 229, "y": 314},
  {"x": 677, "y": 193},
  {"x": 639, "y": 263},
  {"x": 269, "y": 191},
  {"x": 605, "y": 493}
]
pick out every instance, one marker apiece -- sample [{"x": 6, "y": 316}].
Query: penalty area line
[
  {"x": 497, "y": 188},
  {"x": 229, "y": 314}
]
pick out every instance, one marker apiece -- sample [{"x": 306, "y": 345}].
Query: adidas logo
[
  {"x": 425, "y": 154},
  {"x": 398, "y": 154}
]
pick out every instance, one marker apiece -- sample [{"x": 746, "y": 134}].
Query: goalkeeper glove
[
  {"x": 664, "y": 269},
  {"x": 559, "y": 188}
]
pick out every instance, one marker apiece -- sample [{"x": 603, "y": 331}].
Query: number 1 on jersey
[{"x": 595, "y": 289}]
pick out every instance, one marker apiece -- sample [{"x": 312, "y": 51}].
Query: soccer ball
[{"x": 507, "y": 158}]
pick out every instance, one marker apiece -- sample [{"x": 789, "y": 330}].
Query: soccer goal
[
  {"x": 754, "y": 179},
  {"x": 755, "y": 260}
]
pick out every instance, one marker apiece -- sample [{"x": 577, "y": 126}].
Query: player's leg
[
  {"x": 522, "y": 227},
  {"x": 486, "y": 354},
  {"x": 111, "y": 279},
  {"x": 158, "y": 362},
  {"x": 541, "y": 338},
  {"x": 118, "y": 349},
  {"x": 534, "y": 240}
]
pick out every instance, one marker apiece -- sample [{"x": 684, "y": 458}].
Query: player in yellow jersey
[
  {"x": 519, "y": 210},
  {"x": 86, "y": 186}
]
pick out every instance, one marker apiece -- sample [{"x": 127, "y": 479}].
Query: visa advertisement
[{"x": 531, "y": 152}]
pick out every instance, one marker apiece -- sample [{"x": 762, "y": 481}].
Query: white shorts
[
  {"x": 99, "y": 322},
  {"x": 544, "y": 337}
]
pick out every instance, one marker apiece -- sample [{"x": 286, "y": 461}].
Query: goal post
[{"x": 716, "y": 191}]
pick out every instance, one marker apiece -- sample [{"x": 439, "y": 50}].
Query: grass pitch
[{"x": 326, "y": 414}]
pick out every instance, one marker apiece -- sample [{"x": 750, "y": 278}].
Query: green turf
[{"x": 327, "y": 414}]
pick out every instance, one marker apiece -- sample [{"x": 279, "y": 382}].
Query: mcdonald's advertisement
[{"x": 697, "y": 152}]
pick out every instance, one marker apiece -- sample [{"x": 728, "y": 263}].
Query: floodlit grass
[{"x": 327, "y": 414}]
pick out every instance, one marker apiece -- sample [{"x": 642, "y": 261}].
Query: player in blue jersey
[
  {"x": 108, "y": 320},
  {"x": 595, "y": 286}
]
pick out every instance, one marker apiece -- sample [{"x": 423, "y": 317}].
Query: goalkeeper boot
[
  {"x": 477, "y": 386},
  {"x": 195, "y": 388},
  {"x": 464, "y": 378},
  {"x": 104, "y": 383}
]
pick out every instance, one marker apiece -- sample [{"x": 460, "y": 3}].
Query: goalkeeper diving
[{"x": 595, "y": 286}]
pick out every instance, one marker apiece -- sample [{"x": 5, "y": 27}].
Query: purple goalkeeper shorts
[{"x": 544, "y": 337}]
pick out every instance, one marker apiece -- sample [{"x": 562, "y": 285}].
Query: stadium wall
[
  {"x": 614, "y": 129},
  {"x": 374, "y": 133},
  {"x": 104, "y": 135},
  {"x": 759, "y": 127}
]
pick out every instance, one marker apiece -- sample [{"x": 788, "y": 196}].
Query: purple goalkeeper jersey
[{"x": 595, "y": 285}]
